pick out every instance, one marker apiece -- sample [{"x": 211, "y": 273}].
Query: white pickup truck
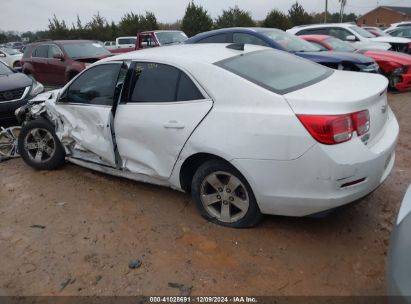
[{"x": 121, "y": 45}]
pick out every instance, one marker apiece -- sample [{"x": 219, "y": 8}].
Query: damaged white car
[{"x": 248, "y": 130}]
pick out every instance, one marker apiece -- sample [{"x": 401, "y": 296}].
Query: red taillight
[
  {"x": 336, "y": 129},
  {"x": 361, "y": 122}
]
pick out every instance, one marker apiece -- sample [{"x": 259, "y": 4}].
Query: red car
[
  {"x": 395, "y": 66},
  {"x": 57, "y": 62},
  {"x": 159, "y": 38}
]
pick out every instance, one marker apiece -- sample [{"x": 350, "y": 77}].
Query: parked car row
[{"x": 395, "y": 66}]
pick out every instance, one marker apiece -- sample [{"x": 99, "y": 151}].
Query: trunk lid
[{"x": 343, "y": 93}]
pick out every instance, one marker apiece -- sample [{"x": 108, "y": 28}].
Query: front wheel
[
  {"x": 223, "y": 196},
  {"x": 39, "y": 146}
]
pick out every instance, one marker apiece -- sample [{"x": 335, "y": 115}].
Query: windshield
[
  {"x": 171, "y": 37},
  {"x": 290, "y": 42},
  {"x": 276, "y": 71},
  {"x": 11, "y": 51},
  {"x": 339, "y": 45},
  {"x": 85, "y": 50},
  {"x": 362, "y": 32},
  {"x": 5, "y": 70}
]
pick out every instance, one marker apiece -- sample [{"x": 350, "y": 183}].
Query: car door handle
[{"x": 172, "y": 124}]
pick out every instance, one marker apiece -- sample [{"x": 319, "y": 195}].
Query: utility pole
[{"x": 326, "y": 11}]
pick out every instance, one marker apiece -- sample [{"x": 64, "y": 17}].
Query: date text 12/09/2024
[{"x": 199, "y": 299}]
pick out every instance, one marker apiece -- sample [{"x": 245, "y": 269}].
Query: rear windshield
[
  {"x": 171, "y": 37},
  {"x": 85, "y": 50},
  {"x": 276, "y": 71}
]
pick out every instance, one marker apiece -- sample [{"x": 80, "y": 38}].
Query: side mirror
[
  {"x": 351, "y": 38},
  {"x": 58, "y": 56}
]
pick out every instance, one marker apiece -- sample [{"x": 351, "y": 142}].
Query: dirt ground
[{"x": 89, "y": 226}]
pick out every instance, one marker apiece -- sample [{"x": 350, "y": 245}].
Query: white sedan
[
  {"x": 11, "y": 57},
  {"x": 247, "y": 130}
]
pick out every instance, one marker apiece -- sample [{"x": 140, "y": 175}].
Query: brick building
[{"x": 385, "y": 15}]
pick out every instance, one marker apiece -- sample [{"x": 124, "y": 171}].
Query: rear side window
[
  {"x": 41, "y": 51},
  {"x": 162, "y": 83},
  {"x": 221, "y": 38},
  {"x": 315, "y": 31},
  {"x": 276, "y": 71}
]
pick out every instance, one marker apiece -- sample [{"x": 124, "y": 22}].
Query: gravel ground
[{"x": 74, "y": 231}]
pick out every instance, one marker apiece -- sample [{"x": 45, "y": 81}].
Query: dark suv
[
  {"x": 15, "y": 90},
  {"x": 56, "y": 62}
]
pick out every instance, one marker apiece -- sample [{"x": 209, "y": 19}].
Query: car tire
[
  {"x": 223, "y": 196},
  {"x": 39, "y": 145}
]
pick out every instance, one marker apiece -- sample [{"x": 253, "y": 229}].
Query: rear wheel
[
  {"x": 39, "y": 146},
  {"x": 223, "y": 196}
]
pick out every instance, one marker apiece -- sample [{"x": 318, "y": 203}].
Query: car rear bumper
[
  {"x": 7, "y": 109},
  {"x": 325, "y": 177}
]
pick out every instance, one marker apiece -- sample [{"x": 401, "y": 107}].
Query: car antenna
[{"x": 236, "y": 46}]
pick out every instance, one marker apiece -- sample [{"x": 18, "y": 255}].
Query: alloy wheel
[
  {"x": 40, "y": 145},
  {"x": 224, "y": 197}
]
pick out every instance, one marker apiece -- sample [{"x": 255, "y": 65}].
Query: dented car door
[
  {"x": 85, "y": 107},
  {"x": 163, "y": 107}
]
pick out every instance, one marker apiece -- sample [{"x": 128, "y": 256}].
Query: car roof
[
  {"x": 324, "y": 25},
  {"x": 201, "y": 53}
]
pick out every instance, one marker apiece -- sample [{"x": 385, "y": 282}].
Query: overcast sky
[{"x": 23, "y": 15}]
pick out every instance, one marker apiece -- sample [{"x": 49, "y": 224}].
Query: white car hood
[{"x": 390, "y": 39}]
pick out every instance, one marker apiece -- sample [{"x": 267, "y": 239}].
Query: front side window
[
  {"x": 220, "y": 38},
  {"x": 95, "y": 86},
  {"x": 53, "y": 50},
  {"x": 41, "y": 51},
  {"x": 340, "y": 33},
  {"x": 248, "y": 39},
  {"x": 153, "y": 82},
  {"x": 276, "y": 71}
]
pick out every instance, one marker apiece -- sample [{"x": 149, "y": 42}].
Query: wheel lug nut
[
  {"x": 228, "y": 190},
  {"x": 218, "y": 197}
]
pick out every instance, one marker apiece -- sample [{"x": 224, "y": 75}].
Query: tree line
[{"x": 196, "y": 20}]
